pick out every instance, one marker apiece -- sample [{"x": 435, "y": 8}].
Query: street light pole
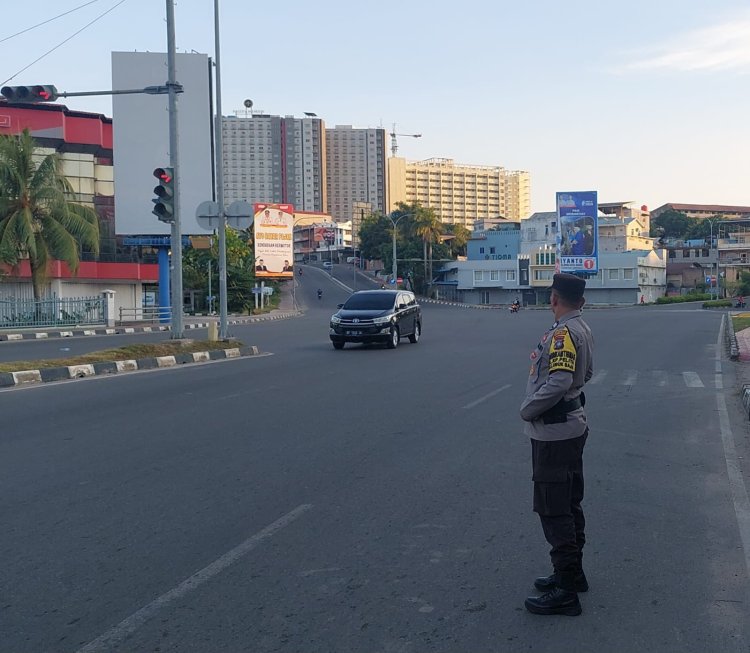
[
  {"x": 174, "y": 162},
  {"x": 395, "y": 223},
  {"x": 220, "y": 184}
]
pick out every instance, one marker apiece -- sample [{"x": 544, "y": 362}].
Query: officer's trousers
[{"x": 558, "y": 492}]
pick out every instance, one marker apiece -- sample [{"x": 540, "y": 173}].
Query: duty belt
[{"x": 558, "y": 414}]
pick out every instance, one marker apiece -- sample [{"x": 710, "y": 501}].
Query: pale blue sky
[{"x": 645, "y": 100}]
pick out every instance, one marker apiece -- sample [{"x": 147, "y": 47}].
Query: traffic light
[
  {"x": 164, "y": 201},
  {"x": 29, "y": 94}
]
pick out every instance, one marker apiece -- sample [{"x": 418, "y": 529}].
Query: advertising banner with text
[
  {"x": 577, "y": 232},
  {"x": 273, "y": 229}
]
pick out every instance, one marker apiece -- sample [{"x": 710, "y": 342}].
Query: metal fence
[
  {"x": 145, "y": 314},
  {"x": 68, "y": 311}
]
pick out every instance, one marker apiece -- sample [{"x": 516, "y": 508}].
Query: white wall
[{"x": 141, "y": 139}]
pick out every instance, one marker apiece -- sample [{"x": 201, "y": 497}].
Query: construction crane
[{"x": 394, "y": 144}]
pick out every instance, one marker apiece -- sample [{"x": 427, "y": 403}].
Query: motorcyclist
[
  {"x": 320, "y": 293},
  {"x": 300, "y": 271},
  {"x": 515, "y": 306}
]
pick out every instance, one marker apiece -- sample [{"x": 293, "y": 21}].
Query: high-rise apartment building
[
  {"x": 356, "y": 170},
  {"x": 275, "y": 159},
  {"x": 460, "y": 193}
]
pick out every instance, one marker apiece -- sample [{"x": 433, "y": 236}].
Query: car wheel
[
  {"x": 414, "y": 337},
  {"x": 395, "y": 336},
  {"x": 338, "y": 345}
]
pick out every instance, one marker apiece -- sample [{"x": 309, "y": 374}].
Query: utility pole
[
  {"x": 220, "y": 185},
  {"x": 174, "y": 162}
]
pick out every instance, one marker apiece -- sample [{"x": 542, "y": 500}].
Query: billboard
[
  {"x": 578, "y": 233},
  {"x": 273, "y": 229},
  {"x": 141, "y": 139},
  {"x": 324, "y": 235}
]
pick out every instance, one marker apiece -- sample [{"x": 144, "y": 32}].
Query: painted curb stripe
[
  {"x": 27, "y": 376},
  {"x": 166, "y": 361}
]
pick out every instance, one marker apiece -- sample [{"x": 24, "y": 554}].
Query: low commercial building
[{"x": 517, "y": 260}]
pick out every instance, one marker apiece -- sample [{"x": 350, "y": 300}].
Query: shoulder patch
[{"x": 562, "y": 352}]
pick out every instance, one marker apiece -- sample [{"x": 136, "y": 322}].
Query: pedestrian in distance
[{"x": 553, "y": 410}]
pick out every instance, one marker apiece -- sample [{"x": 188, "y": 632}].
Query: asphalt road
[{"x": 372, "y": 500}]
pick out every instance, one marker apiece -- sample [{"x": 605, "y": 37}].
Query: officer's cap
[{"x": 569, "y": 286}]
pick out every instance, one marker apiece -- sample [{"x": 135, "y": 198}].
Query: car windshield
[{"x": 376, "y": 301}]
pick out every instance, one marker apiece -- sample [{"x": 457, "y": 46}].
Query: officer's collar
[{"x": 568, "y": 316}]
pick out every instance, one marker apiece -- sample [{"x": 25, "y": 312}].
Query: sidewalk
[{"x": 285, "y": 310}]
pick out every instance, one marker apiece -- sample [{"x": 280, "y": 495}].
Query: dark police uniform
[{"x": 556, "y": 423}]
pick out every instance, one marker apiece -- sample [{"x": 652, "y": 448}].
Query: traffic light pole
[
  {"x": 174, "y": 162},
  {"x": 220, "y": 184}
]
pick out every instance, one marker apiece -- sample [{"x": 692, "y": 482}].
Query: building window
[
  {"x": 478, "y": 276},
  {"x": 492, "y": 250},
  {"x": 481, "y": 250},
  {"x": 628, "y": 274},
  {"x": 542, "y": 275},
  {"x": 510, "y": 275},
  {"x": 494, "y": 275},
  {"x": 614, "y": 274}
]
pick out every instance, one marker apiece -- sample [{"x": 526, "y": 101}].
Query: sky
[{"x": 643, "y": 101}]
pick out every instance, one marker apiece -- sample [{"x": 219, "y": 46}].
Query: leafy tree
[
  {"x": 240, "y": 269},
  {"x": 670, "y": 224},
  {"x": 38, "y": 218},
  {"x": 375, "y": 237}
]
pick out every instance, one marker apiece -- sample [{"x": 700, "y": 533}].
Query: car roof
[{"x": 380, "y": 292}]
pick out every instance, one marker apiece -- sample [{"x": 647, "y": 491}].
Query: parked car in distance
[
  {"x": 370, "y": 316},
  {"x": 327, "y": 265}
]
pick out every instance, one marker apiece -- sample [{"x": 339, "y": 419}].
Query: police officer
[{"x": 556, "y": 423}]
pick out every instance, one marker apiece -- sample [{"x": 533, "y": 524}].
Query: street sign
[
  {"x": 240, "y": 215},
  {"x": 207, "y": 215}
]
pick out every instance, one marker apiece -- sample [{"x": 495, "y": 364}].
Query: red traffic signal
[
  {"x": 163, "y": 174},
  {"x": 164, "y": 201},
  {"x": 29, "y": 94}
]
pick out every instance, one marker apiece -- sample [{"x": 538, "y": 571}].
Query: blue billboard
[{"x": 578, "y": 232}]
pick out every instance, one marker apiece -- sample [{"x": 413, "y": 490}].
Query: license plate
[{"x": 355, "y": 333}]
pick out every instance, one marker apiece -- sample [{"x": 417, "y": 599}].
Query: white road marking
[
  {"x": 116, "y": 635},
  {"x": 718, "y": 381},
  {"x": 486, "y": 397},
  {"x": 692, "y": 380},
  {"x": 734, "y": 471},
  {"x": 598, "y": 377},
  {"x": 631, "y": 378}
]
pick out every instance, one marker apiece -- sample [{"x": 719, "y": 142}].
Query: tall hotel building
[
  {"x": 460, "y": 193},
  {"x": 356, "y": 170},
  {"x": 275, "y": 159}
]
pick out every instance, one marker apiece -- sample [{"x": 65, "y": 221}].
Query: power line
[
  {"x": 50, "y": 51},
  {"x": 28, "y": 29}
]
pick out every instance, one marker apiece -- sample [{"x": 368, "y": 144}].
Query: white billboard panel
[
  {"x": 273, "y": 227},
  {"x": 141, "y": 139}
]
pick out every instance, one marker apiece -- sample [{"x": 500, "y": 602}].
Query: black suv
[{"x": 377, "y": 316}]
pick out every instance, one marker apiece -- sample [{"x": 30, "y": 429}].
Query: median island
[{"x": 129, "y": 352}]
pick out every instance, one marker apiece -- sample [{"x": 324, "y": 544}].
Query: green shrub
[
  {"x": 692, "y": 297},
  {"x": 718, "y": 303}
]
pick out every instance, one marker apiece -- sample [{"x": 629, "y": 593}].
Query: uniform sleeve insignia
[{"x": 562, "y": 352}]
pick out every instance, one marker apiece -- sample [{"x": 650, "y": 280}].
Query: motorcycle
[
  {"x": 320, "y": 294},
  {"x": 514, "y": 308}
]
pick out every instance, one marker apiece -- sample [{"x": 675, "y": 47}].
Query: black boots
[
  {"x": 546, "y": 583},
  {"x": 560, "y": 595},
  {"x": 556, "y": 601}
]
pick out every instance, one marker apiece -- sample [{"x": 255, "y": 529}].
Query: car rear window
[{"x": 369, "y": 301}]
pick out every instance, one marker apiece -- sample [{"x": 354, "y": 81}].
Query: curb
[
  {"x": 105, "y": 368},
  {"x": 36, "y": 335},
  {"x": 734, "y": 348}
]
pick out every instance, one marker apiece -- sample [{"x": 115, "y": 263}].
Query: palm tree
[
  {"x": 429, "y": 228},
  {"x": 38, "y": 219}
]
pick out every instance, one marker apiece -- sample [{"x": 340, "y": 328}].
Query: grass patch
[
  {"x": 740, "y": 322},
  {"x": 146, "y": 350}
]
